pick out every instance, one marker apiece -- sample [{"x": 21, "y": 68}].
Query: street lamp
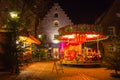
[
  {"x": 13, "y": 23},
  {"x": 14, "y": 18},
  {"x": 14, "y": 14}
]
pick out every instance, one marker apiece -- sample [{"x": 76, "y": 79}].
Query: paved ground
[
  {"x": 45, "y": 71},
  {"x": 7, "y": 76}
]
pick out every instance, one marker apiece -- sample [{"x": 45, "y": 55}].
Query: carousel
[{"x": 72, "y": 43}]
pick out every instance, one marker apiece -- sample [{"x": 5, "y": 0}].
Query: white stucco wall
[{"x": 47, "y": 24}]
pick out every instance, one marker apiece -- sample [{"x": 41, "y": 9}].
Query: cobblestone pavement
[
  {"x": 45, "y": 71},
  {"x": 7, "y": 76}
]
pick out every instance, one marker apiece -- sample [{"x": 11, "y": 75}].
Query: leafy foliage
[
  {"x": 35, "y": 50},
  {"x": 21, "y": 49},
  {"x": 112, "y": 61}
]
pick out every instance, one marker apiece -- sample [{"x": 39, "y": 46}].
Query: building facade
[
  {"x": 54, "y": 19},
  {"x": 109, "y": 21}
]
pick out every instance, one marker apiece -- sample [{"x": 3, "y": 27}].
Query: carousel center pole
[{"x": 80, "y": 48}]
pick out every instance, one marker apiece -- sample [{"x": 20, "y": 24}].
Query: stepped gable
[{"x": 54, "y": 19}]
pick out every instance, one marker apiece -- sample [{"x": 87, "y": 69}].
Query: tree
[
  {"x": 112, "y": 59},
  {"x": 39, "y": 8},
  {"x": 21, "y": 49},
  {"x": 17, "y": 25}
]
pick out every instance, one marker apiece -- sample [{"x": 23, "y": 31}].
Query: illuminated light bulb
[{"x": 56, "y": 41}]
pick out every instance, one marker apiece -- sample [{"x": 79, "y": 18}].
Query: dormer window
[
  {"x": 56, "y": 9},
  {"x": 56, "y": 15}
]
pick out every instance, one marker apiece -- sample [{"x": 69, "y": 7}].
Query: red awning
[
  {"x": 34, "y": 40},
  {"x": 30, "y": 39}
]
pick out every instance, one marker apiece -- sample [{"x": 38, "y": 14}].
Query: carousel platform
[{"x": 83, "y": 64}]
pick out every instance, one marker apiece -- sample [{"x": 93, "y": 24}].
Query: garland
[{"x": 84, "y": 28}]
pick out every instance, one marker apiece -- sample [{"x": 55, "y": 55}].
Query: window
[
  {"x": 27, "y": 22},
  {"x": 56, "y": 23},
  {"x": 56, "y": 36},
  {"x": 56, "y": 9},
  {"x": 112, "y": 31},
  {"x": 56, "y": 15},
  {"x": 112, "y": 48}
]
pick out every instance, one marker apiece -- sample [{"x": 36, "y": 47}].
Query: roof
[
  {"x": 30, "y": 39},
  {"x": 84, "y": 11},
  {"x": 111, "y": 17}
]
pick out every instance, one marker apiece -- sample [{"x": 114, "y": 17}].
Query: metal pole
[{"x": 97, "y": 45}]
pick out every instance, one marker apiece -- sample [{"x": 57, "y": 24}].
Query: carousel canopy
[{"x": 81, "y": 33}]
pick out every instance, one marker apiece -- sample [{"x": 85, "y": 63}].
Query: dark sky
[{"x": 84, "y": 11}]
